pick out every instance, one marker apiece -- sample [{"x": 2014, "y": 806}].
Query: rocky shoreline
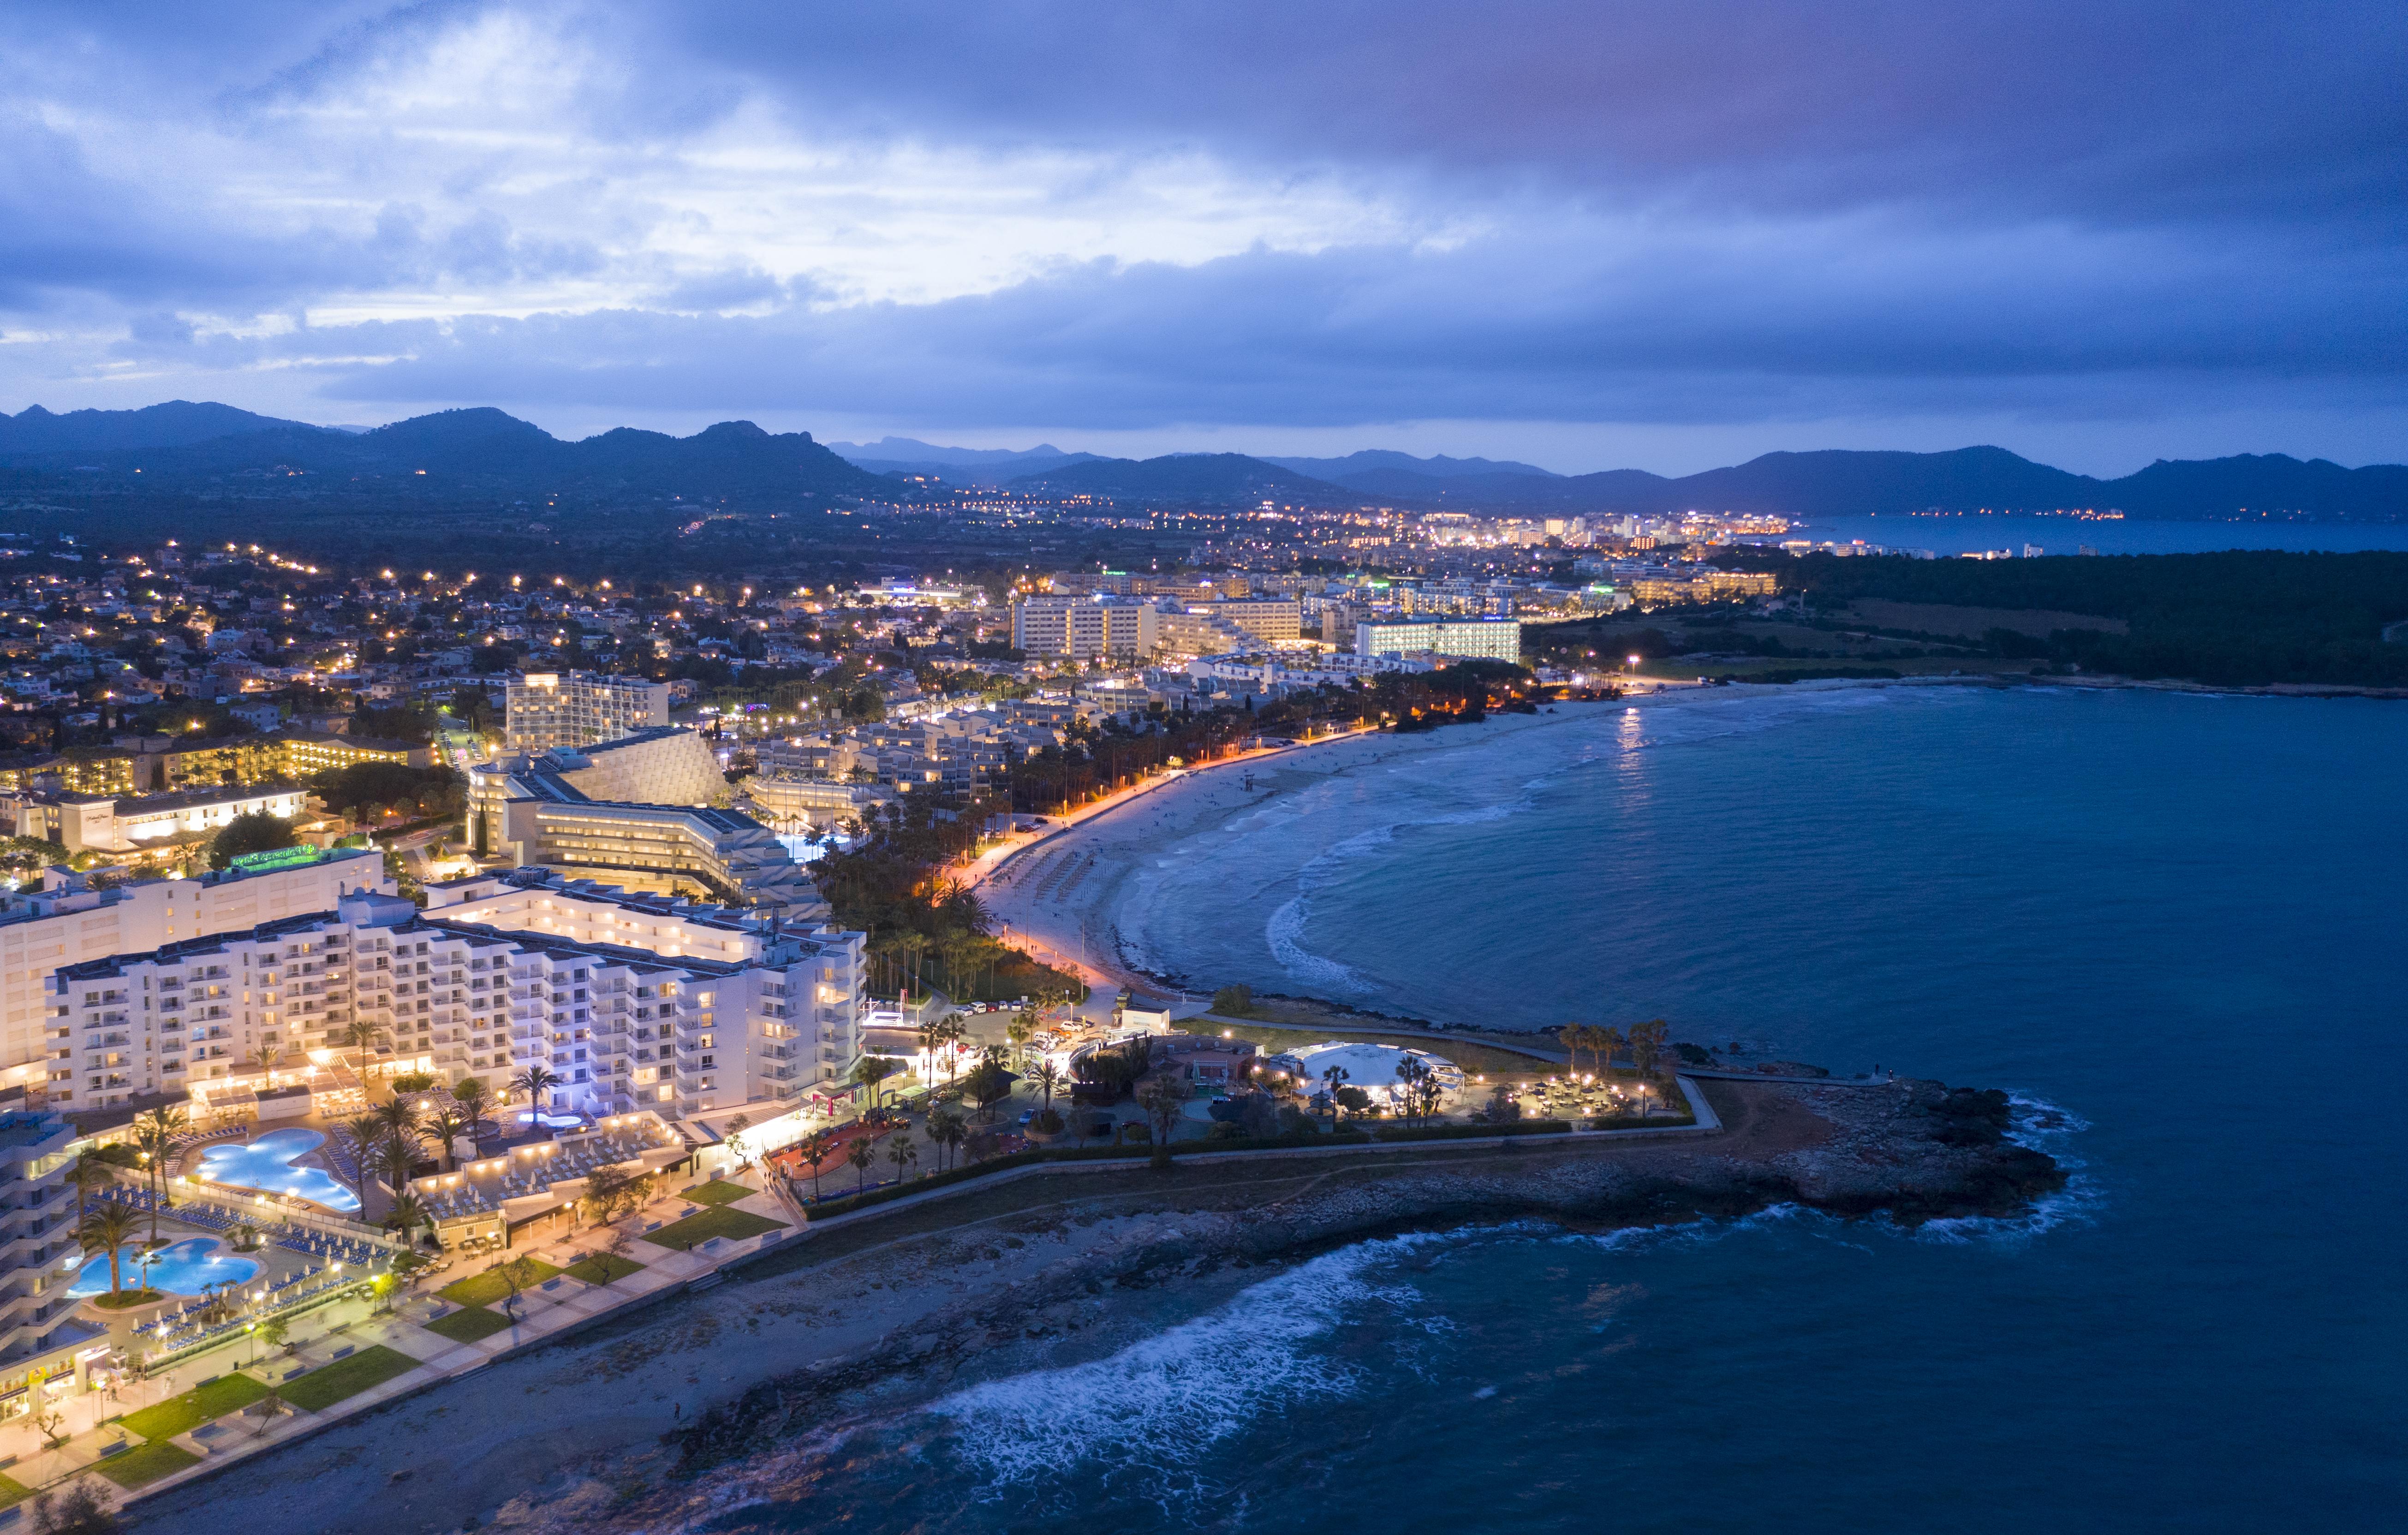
[{"x": 710, "y": 1401}]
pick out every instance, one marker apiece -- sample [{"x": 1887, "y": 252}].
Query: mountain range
[
  {"x": 183, "y": 446},
  {"x": 479, "y": 451}
]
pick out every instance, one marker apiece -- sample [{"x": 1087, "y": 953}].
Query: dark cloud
[{"x": 1713, "y": 212}]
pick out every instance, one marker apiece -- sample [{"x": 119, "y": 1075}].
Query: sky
[{"x": 1582, "y": 233}]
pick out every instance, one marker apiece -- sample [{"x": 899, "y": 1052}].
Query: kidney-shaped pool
[{"x": 272, "y": 1164}]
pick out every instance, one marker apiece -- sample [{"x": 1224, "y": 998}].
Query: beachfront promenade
[
  {"x": 349, "y": 1357},
  {"x": 457, "y": 1321}
]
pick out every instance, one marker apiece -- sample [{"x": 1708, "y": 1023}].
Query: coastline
[{"x": 680, "y": 1411}]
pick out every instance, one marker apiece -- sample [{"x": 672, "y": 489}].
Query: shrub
[{"x": 1239, "y": 1000}]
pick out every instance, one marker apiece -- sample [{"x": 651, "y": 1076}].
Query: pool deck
[{"x": 349, "y": 1326}]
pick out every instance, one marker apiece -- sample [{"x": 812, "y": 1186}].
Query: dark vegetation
[{"x": 2241, "y": 618}]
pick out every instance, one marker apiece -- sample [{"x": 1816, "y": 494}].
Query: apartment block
[
  {"x": 1083, "y": 626},
  {"x": 1495, "y": 640},
  {"x": 67, "y": 920},
  {"x": 543, "y": 710}
]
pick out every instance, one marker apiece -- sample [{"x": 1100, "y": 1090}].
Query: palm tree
[
  {"x": 110, "y": 1230},
  {"x": 395, "y": 1157},
  {"x": 870, "y": 1071},
  {"x": 533, "y": 1082},
  {"x": 1047, "y": 1077},
  {"x": 1331, "y": 1080},
  {"x": 90, "y": 1173},
  {"x": 155, "y": 1131},
  {"x": 946, "y": 1129},
  {"x": 1609, "y": 1039},
  {"x": 360, "y": 1035},
  {"x": 408, "y": 1213},
  {"x": 858, "y": 1157},
  {"x": 363, "y": 1131},
  {"x": 815, "y": 1150},
  {"x": 472, "y": 1095},
  {"x": 446, "y": 1126},
  {"x": 900, "y": 1152}
]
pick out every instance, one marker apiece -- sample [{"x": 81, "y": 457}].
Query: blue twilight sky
[{"x": 1585, "y": 233}]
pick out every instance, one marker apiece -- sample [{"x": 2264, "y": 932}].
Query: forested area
[{"x": 2237, "y": 619}]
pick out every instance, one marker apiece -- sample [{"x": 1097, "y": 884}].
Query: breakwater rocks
[{"x": 1908, "y": 1151}]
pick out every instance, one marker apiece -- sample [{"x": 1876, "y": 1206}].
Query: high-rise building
[
  {"x": 38, "y": 1252},
  {"x": 573, "y": 709},
  {"x": 1269, "y": 618},
  {"x": 67, "y": 920},
  {"x": 1083, "y": 626},
  {"x": 629, "y": 1001},
  {"x": 1488, "y": 639}
]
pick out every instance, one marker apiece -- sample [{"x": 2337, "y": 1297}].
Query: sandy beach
[{"x": 1068, "y": 918}]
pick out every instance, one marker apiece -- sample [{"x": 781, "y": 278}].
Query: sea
[
  {"x": 1947, "y": 533},
  {"x": 2174, "y": 927}
]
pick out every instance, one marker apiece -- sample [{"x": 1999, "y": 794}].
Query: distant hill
[
  {"x": 172, "y": 425},
  {"x": 1186, "y": 477},
  {"x": 1337, "y": 471},
  {"x": 485, "y": 452},
  {"x": 1841, "y": 483}
]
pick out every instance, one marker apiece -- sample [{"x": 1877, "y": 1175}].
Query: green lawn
[
  {"x": 603, "y": 1269},
  {"x": 179, "y": 1414},
  {"x": 485, "y": 1289},
  {"x": 701, "y": 1227},
  {"x": 146, "y": 1463},
  {"x": 720, "y": 1193},
  {"x": 13, "y": 1492},
  {"x": 466, "y": 1327},
  {"x": 370, "y": 1367}
]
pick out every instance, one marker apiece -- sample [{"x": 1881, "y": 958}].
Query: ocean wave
[
  {"x": 1160, "y": 1404},
  {"x": 2040, "y": 1126}
]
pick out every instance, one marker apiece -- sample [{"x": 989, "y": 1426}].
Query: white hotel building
[{"x": 631, "y": 1002}]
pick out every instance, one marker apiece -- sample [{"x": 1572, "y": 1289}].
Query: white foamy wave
[
  {"x": 2040, "y": 1126},
  {"x": 1159, "y": 1404},
  {"x": 1284, "y": 933}
]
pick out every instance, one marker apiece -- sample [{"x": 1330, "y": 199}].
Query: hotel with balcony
[{"x": 631, "y": 1002}]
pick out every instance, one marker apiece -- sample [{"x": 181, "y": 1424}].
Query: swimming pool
[
  {"x": 181, "y": 1268},
  {"x": 271, "y": 1163}
]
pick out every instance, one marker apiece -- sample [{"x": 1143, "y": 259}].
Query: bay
[{"x": 2176, "y": 919}]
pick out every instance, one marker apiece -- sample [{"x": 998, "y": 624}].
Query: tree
[
  {"x": 1354, "y": 1101},
  {"x": 155, "y": 1134},
  {"x": 108, "y": 1228},
  {"x": 516, "y": 1275},
  {"x": 1236, "y": 1001},
  {"x": 1608, "y": 1041},
  {"x": 735, "y": 1146},
  {"x": 1420, "y": 1088},
  {"x": 946, "y": 1131},
  {"x": 871, "y": 1071},
  {"x": 988, "y": 1084},
  {"x": 361, "y": 1133},
  {"x": 91, "y": 1172},
  {"x": 360, "y": 1035},
  {"x": 407, "y": 1214},
  {"x": 1163, "y": 1101},
  {"x": 1648, "y": 1046},
  {"x": 1047, "y": 1077},
  {"x": 858, "y": 1157},
  {"x": 446, "y": 1125},
  {"x": 472, "y": 1095},
  {"x": 396, "y": 1153},
  {"x": 533, "y": 1084},
  {"x": 81, "y": 1509},
  {"x": 900, "y": 1152},
  {"x": 254, "y": 832},
  {"x": 1330, "y": 1081},
  {"x": 817, "y": 1148}
]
